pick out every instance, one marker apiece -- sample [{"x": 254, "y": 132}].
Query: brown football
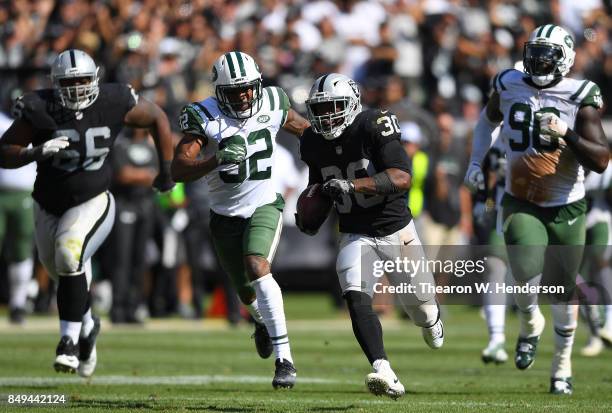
[{"x": 313, "y": 207}]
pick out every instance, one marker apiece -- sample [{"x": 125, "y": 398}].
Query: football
[{"x": 313, "y": 207}]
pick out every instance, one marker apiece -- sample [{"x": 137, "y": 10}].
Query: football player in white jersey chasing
[
  {"x": 552, "y": 130},
  {"x": 229, "y": 139}
]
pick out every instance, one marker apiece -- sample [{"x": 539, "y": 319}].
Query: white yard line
[{"x": 153, "y": 380}]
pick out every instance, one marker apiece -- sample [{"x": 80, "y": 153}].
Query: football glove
[
  {"x": 335, "y": 188},
  {"x": 163, "y": 181},
  {"x": 551, "y": 125},
  {"x": 233, "y": 153},
  {"x": 49, "y": 148},
  {"x": 474, "y": 178}
]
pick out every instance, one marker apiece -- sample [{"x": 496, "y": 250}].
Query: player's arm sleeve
[
  {"x": 192, "y": 121},
  {"x": 129, "y": 97},
  {"x": 593, "y": 97},
  {"x": 279, "y": 101}
]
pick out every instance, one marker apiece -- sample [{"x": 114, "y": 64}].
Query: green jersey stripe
[
  {"x": 586, "y": 91},
  {"x": 241, "y": 64},
  {"x": 580, "y": 89},
  {"x": 276, "y": 98},
  {"x": 270, "y": 97},
  {"x": 230, "y": 65},
  {"x": 550, "y": 30},
  {"x": 284, "y": 99}
]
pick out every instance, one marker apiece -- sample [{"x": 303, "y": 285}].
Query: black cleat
[
  {"x": 67, "y": 356},
  {"x": 285, "y": 375},
  {"x": 263, "y": 343},
  {"x": 87, "y": 351}
]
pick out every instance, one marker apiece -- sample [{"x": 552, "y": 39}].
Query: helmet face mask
[
  {"x": 75, "y": 77},
  {"x": 332, "y": 105},
  {"x": 549, "y": 54},
  {"x": 238, "y": 85}
]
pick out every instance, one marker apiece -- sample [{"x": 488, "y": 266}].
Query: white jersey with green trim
[
  {"x": 237, "y": 190},
  {"x": 544, "y": 173}
]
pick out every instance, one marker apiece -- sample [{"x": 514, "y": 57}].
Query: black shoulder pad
[
  {"x": 382, "y": 126},
  {"x": 33, "y": 107}
]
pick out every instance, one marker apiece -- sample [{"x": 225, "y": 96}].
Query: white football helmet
[
  {"x": 75, "y": 64},
  {"x": 233, "y": 74},
  {"x": 548, "y": 54},
  {"x": 333, "y": 103}
]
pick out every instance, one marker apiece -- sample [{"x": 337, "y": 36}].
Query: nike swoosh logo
[
  {"x": 572, "y": 221},
  {"x": 408, "y": 242},
  {"x": 384, "y": 111},
  {"x": 395, "y": 381}
]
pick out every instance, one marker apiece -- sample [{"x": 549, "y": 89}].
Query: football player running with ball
[
  {"x": 229, "y": 139},
  {"x": 358, "y": 159},
  {"x": 71, "y": 129},
  {"x": 552, "y": 130}
]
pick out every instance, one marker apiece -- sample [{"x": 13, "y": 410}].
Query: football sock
[
  {"x": 71, "y": 329},
  {"x": 88, "y": 323},
  {"x": 496, "y": 317},
  {"x": 270, "y": 303},
  {"x": 19, "y": 274},
  {"x": 72, "y": 299},
  {"x": 608, "y": 323},
  {"x": 565, "y": 321},
  {"x": 254, "y": 311},
  {"x": 366, "y": 325},
  {"x": 494, "y": 304}
]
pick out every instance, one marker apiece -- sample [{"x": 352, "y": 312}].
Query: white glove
[
  {"x": 474, "y": 178},
  {"x": 50, "y": 148},
  {"x": 551, "y": 125}
]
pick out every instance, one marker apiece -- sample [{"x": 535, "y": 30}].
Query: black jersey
[
  {"x": 81, "y": 171},
  {"x": 368, "y": 146}
]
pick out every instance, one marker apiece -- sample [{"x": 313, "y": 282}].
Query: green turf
[{"x": 218, "y": 370}]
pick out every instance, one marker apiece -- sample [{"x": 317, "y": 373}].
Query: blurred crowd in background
[{"x": 429, "y": 61}]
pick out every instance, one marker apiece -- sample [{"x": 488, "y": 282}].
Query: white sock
[
  {"x": 71, "y": 329},
  {"x": 527, "y": 303},
  {"x": 270, "y": 301},
  {"x": 496, "y": 319},
  {"x": 608, "y": 322},
  {"x": 19, "y": 274},
  {"x": 88, "y": 324},
  {"x": 565, "y": 319},
  {"x": 254, "y": 311},
  {"x": 381, "y": 366}
]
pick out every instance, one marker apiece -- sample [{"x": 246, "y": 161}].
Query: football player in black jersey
[
  {"x": 358, "y": 158},
  {"x": 71, "y": 129}
]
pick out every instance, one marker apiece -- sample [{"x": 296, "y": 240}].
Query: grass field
[{"x": 174, "y": 365}]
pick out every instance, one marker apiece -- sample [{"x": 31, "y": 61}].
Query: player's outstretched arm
[
  {"x": 186, "y": 166},
  {"x": 14, "y": 152},
  {"x": 387, "y": 182},
  {"x": 489, "y": 119},
  {"x": 589, "y": 141},
  {"x": 146, "y": 114},
  {"x": 295, "y": 123}
]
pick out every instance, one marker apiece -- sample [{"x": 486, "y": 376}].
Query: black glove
[{"x": 163, "y": 181}]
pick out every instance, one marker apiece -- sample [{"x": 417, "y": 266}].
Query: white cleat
[
  {"x": 593, "y": 347},
  {"x": 385, "y": 384},
  {"x": 66, "y": 356},
  {"x": 494, "y": 353},
  {"x": 87, "y": 367},
  {"x": 606, "y": 336},
  {"x": 434, "y": 335}
]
